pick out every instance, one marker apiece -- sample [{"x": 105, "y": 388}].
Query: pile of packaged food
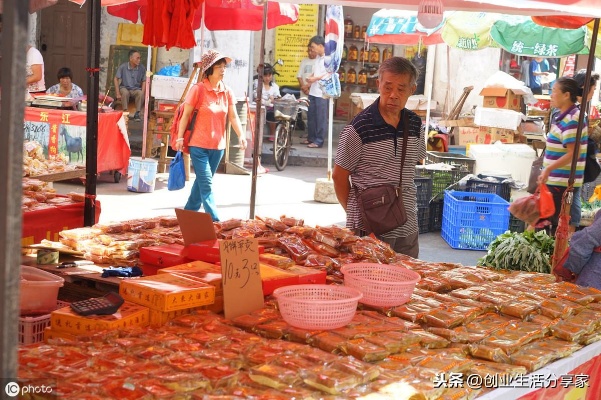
[
  {"x": 37, "y": 195},
  {"x": 479, "y": 323},
  {"x": 35, "y": 163},
  {"x": 119, "y": 242}
]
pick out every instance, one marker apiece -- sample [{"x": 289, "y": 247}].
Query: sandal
[
  {"x": 306, "y": 141},
  {"x": 313, "y": 146}
]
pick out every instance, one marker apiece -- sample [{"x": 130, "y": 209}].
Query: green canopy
[{"x": 520, "y": 35}]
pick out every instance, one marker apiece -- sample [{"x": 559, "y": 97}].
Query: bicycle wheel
[{"x": 281, "y": 146}]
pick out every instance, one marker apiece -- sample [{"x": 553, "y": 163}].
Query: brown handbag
[{"x": 381, "y": 206}]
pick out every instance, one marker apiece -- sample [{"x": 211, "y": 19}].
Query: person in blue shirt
[{"x": 535, "y": 73}]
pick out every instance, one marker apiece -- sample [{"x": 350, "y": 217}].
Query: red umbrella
[{"x": 219, "y": 15}]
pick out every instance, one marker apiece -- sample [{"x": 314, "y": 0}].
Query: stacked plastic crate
[
  {"x": 424, "y": 194},
  {"x": 443, "y": 179}
]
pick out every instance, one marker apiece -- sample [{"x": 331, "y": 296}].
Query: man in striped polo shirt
[{"x": 370, "y": 148}]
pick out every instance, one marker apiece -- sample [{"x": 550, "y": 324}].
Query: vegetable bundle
[{"x": 528, "y": 251}]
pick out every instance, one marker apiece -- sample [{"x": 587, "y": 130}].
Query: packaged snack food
[
  {"x": 273, "y": 375},
  {"x": 364, "y": 350}
]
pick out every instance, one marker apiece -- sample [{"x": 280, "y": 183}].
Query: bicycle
[{"x": 286, "y": 112}]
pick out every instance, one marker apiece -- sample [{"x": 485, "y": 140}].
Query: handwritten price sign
[{"x": 242, "y": 288}]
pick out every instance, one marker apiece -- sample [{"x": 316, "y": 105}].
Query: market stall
[
  {"x": 464, "y": 332},
  {"x": 64, "y": 132}
]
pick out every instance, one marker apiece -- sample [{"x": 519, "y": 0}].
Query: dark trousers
[{"x": 317, "y": 120}]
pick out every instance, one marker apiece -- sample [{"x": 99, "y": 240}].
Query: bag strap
[{"x": 404, "y": 150}]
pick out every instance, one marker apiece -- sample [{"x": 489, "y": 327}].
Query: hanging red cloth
[{"x": 169, "y": 23}]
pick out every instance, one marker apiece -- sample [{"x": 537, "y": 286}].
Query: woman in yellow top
[{"x": 216, "y": 105}]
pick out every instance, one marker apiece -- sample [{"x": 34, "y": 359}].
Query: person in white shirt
[
  {"x": 305, "y": 70},
  {"x": 271, "y": 91},
  {"x": 318, "y": 106},
  {"x": 34, "y": 67}
]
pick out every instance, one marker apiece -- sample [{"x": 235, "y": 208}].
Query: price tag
[{"x": 241, "y": 277}]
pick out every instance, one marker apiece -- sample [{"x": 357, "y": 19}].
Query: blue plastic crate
[{"x": 470, "y": 221}]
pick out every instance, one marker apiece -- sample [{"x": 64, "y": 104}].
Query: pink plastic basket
[
  {"x": 382, "y": 285},
  {"x": 317, "y": 306}
]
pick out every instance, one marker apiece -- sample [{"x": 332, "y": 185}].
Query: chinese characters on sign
[
  {"x": 532, "y": 381},
  {"x": 468, "y": 43},
  {"x": 539, "y": 49},
  {"x": 241, "y": 276}
]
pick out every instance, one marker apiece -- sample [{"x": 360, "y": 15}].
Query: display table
[
  {"x": 64, "y": 132},
  {"x": 47, "y": 223},
  {"x": 582, "y": 366}
]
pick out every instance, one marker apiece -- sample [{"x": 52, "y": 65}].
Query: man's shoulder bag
[{"x": 381, "y": 206}]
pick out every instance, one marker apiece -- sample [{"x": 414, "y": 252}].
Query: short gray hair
[{"x": 399, "y": 66}]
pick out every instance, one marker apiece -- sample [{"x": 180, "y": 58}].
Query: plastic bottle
[
  {"x": 357, "y": 32},
  {"x": 351, "y": 76},
  {"x": 348, "y": 27},
  {"x": 374, "y": 55},
  {"x": 365, "y": 57},
  {"x": 344, "y": 52},
  {"x": 353, "y": 53},
  {"x": 342, "y": 74},
  {"x": 386, "y": 54},
  {"x": 364, "y": 32},
  {"x": 362, "y": 77}
]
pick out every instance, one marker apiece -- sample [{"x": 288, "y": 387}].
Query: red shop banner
[{"x": 64, "y": 132}]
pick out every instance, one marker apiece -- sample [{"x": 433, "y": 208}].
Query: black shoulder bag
[{"x": 381, "y": 206}]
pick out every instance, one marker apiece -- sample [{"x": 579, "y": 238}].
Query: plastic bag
[
  {"x": 546, "y": 205},
  {"x": 530, "y": 209},
  {"x": 177, "y": 173}
]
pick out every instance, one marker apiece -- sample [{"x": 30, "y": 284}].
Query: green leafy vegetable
[{"x": 528, "y": 251}]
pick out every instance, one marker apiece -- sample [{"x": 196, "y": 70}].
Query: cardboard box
[
  {"x": 484, "y": 135},
  {"x": 204, "y": 271},
  {"x": 130, "y": 315},
  {"x": 498, "y": 97},
  {"x": 167, "y": 292},
  {"x": 163, "y": 256},
  {"x": 49, "y": 333},
  {"x": 160, "y": 318},
  {"x": 273, "y": 278}
]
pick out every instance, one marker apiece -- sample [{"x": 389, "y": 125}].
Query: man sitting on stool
[{"x": 128, "y": 81}]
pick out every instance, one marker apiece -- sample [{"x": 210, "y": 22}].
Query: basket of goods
[
  {"x": 285, "y": 109},
  {"x": 382, "y": 285},
  {"x": 317, "y": 306}
]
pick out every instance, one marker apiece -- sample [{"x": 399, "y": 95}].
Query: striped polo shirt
[
  {"x": 371, "y": 150},
  {"x": 563, "y": 132}
]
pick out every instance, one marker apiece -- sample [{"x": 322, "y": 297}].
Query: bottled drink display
[
  {"x": 362, "y": 77},
  {"x": 374, "y": 55},
  {"x": 351, "y": 76},
  {"x": 353, "y": 53},
  {"x": 348, "y": 27}
]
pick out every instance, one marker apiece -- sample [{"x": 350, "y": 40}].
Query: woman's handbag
[
  {"x": 535, "y": 171},
  {"x": 177, "y": 173},
  {"x": 381, "y": 206},
  {"x": 187, "y": 133}
]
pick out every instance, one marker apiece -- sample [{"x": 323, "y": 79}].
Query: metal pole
[
  {"x": 12, "y": 82},
  {"x": 93, "y": 62},
  {"x": 258, "y": 121},
  {"x": 330, "y": 130}
]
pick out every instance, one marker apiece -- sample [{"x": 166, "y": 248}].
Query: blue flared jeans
[{"x": 205, "y": 163}]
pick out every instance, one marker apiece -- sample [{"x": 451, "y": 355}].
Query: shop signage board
[
  {"x": 241, "y": 276},
  {"x": 291, "y": 43}
]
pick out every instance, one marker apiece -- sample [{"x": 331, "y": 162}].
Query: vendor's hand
[
  {"x": 118, "y": 96},
  {"x": 179, "y": 145},
  {"x": 243, "y": 143},
  {"x": 543, "y": 177}
]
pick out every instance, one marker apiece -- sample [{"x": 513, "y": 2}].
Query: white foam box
[
  {"x": 498, "y": 118},
  {"x": 515, "y": 159},
  {"x": 168, "y": 87}
]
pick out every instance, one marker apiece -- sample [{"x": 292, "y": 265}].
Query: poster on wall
[{"x": 291, "y": 43}]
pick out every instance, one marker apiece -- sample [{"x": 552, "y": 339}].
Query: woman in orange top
[{"x": 215, "y": 104}]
